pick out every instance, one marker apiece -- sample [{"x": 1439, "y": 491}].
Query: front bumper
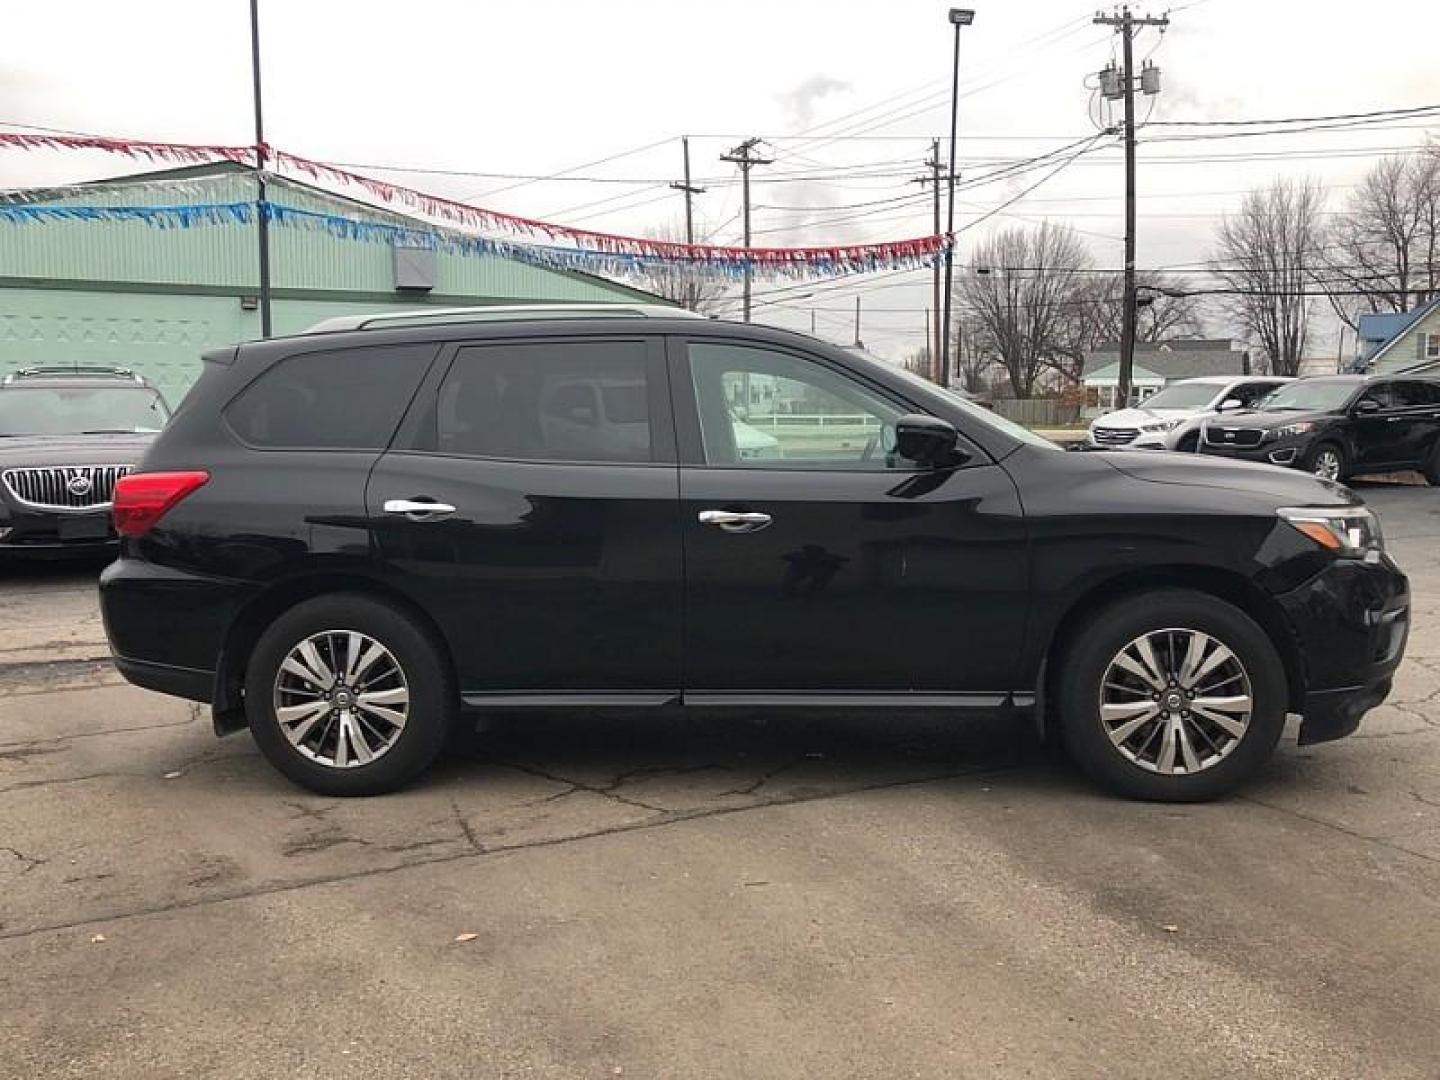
[
  {"x": 55, "y": 532},
  {"x": 1289, "y": 453},
  {"x": 1351, "y": 622}
]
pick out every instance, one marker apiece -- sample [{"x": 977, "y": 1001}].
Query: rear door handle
[
  {"x": 421, "y": 509},
  {"x": 734, "y": 522}
]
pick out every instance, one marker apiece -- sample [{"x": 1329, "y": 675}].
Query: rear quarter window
[{"x": 343, "y": 399}]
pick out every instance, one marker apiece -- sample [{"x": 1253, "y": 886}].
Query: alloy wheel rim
[
  {"x": 1327, "y": 465},
  {"x": 1176, "y": 701},
  {"x": 341, "y": 699}
]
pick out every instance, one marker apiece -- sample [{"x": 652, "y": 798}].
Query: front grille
[
  {"x": 64, "y": 487},
  {"x": 1229, "y": 436},
  {"x": 1115, "y": 436}
]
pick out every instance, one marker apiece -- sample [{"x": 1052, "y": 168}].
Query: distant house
[
  {"x": 1403, "y": 341},
  {"x": 1157, "y": 366}
]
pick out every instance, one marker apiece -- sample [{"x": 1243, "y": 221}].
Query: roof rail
[
  {"x": 78, "y": 369},
  {"x": 498, "y": 313}
]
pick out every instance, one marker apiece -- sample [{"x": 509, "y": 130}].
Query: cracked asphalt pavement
[{"x": 663, "y": 897}]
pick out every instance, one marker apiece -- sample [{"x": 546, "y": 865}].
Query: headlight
[
  {"x": 1292, "y": 429},
  {"x": 1162, "y": 425},
  {"x": 1345, "y": 530}
]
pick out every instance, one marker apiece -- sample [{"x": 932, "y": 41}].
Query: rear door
[
  {"x": 821, "y": 566},
  {"x": 1417, "y": 419},
  {"x": 1376, "y": 433},
  {"x": 552, "y": 559}
]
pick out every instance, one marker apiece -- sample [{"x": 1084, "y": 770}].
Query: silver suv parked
[{"x": 1171, "y": 419}]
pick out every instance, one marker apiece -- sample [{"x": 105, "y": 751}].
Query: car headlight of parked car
[
  {"x": 1346, "y": 530},
  {"x": 1291, "y": 429},
  {"x": 1161, "y": 425}
]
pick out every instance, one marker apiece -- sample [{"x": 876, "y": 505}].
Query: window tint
[
  {"x": 765, "y": 409},
  {"x": 1382, "y": 394},
  {"x": 1249, "y": 393},
  {"x": 1415, "y": 394},
  {"x": 548, "y": 401},
  {"x": 348, "y": 399}
]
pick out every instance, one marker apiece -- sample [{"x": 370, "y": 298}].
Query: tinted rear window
[{"x": 348, "y": 399}]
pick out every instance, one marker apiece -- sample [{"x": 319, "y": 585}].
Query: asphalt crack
[
  {"x": 577, "y": 786},
  {"x": 665, "y": 821}
]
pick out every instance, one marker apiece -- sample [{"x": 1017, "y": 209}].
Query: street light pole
[
  {"x": 958, "y": 17},
  {"x": 262, "y": 221}
]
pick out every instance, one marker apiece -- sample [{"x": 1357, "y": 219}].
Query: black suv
[
  {"x": 66, "y": 435},
  {"x": 1336, "y": 426},
  {"x": 346, "y": 538}
]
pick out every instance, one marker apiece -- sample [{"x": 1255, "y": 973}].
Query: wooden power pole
[
  {"x": 744, "y": 156},
  {"x": 1125, "y": 23}
]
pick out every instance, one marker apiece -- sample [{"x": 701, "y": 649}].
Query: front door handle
[
  {"x": 734, "y": 522},
  {"x": 419, "y": 509}
]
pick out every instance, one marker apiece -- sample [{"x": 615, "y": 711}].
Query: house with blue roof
[{"x": 1403, "y": 341}]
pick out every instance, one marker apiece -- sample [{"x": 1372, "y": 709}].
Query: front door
[
  {"x": 552, "y": 559},
  {"x": 1377, "y": 431},
  {"x": 819, "y": 564}
]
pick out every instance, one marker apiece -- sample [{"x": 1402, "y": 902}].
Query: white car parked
[{"x": 1171, "y": 419}]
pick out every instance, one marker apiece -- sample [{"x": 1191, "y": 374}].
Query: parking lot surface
[{"x": 660, "y": 897}]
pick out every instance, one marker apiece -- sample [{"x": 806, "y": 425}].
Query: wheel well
[
  {"x": 264, "y": 609},
  {"x": 1221, "y": 584}
]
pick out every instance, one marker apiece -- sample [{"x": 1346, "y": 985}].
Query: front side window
[
  {"x": 80, "y": 410},
  {"x": 761, "y": 408},
  {"x": 344, "y": 399},
  {"x": 548, "y": 401},
  {"x": 1248, "y": 394}
]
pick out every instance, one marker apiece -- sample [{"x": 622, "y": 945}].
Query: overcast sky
[{"x": 545, "y": 86}]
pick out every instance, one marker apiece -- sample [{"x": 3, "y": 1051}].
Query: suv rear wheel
[
  {"x": 1171, "y": 695},
  {"x": 348, "y": 695}
]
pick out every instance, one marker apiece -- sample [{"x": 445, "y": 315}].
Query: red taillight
[{"x": 141, "y": 499}]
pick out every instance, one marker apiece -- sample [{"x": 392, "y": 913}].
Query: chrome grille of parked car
[
  {"x": 64, "y": 487},
  {"x": 1115, "y": 436}
]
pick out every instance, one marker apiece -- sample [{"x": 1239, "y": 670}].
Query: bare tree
[
  {"x": 1386, "y": 242},
  {"x": 689, "y": 286},
  {"x": 1269, "y": 254},
  {"x": 1022, "y": 290},
  {"x": 1164, "y": 311}
]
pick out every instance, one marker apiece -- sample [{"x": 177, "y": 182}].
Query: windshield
[
  {"x": 979, "y": 413},
  {"x": 1319, "y": 394},
  {"x": 1183, "y": 395},
  {"x": 78, "y": 410}
]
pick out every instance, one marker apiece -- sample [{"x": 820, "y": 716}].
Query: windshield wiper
[{"x": 109, "y": 431}]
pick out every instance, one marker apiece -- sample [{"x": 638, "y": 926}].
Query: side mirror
[
  {"x": 1231, "y": 403},
  {"x": 928, "y": 440},
  {"x": 1367, "y": 406}
]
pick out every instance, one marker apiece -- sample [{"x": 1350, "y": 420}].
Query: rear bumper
[
  {"x": 1352, "y": 621},
  {"x": 168, "y": 679}
]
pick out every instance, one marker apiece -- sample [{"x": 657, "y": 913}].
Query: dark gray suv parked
[{"x": 66, "y": 436}]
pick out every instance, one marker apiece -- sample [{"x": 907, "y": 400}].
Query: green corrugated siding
[
  {"x": 225, "y": 255},
  {"x": 96, "y": 305}
]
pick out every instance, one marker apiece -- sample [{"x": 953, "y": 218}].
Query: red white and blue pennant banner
[{"x": 595, "y": 250}]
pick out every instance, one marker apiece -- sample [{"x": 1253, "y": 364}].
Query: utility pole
[
  {"x": 261, "y": 205},
  {"x": 858, "y": 343},
  {"x": 957, "y": 18},
  {"x": 690, "y": 191},
  {"x": 932, "y": 343},
  {"x": 744, "y": 156},
  {"x": 1125, "y": 23}
]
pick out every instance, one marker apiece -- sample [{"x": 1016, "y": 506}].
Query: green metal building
[{"x": 128, "y": 294}]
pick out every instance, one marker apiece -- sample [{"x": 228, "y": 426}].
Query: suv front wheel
[
  {"x": 348, "y": 695},
  {"x": 1171, "y": 695}
]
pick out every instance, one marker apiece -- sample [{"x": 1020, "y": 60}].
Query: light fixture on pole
[{"x": 958, "y": 17}]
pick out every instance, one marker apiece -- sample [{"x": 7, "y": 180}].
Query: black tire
[
  {"x": 1101, "y": 639},
  {"x": 426, "y": 675},
  {"x": 1189, "y": 443},
  {"x": 1310, "y": 462},
  {"x": 1432, "y": 465}
]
